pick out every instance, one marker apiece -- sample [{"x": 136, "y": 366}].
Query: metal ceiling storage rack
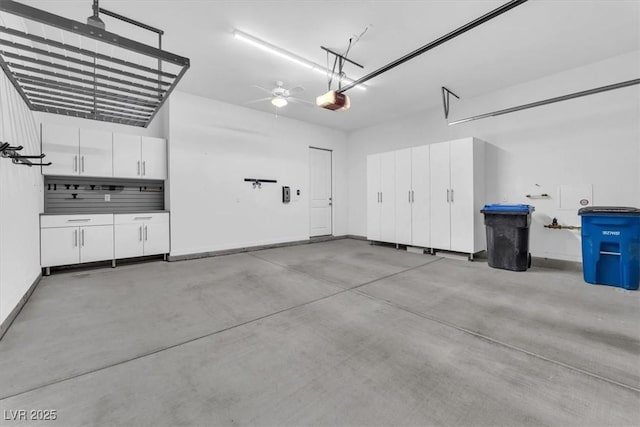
[{"x": 63, "y": 66}]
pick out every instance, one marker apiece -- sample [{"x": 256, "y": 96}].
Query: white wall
[
  {"x": 590, "y": 140},
  {"x": 213, "y": 146},
  {"x": 21, "y": 202}
]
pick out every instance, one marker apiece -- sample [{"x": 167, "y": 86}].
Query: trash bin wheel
[{"x": 529, "y": 260}]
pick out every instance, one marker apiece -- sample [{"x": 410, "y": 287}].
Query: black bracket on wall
[
  {"x": 9, "y": 152},
  {"x": 257, "y": 182}
]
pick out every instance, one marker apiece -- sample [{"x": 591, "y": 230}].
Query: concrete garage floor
[{"x": 331, "y": 333}]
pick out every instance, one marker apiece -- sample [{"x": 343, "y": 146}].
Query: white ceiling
[{"x": 538, "y": 38}]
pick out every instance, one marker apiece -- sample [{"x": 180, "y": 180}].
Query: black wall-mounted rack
[{"x": 9, "y": 152}]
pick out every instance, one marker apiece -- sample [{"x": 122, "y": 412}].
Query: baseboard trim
[
  {"x": 356, "y": 237},
  {"x": 557, "y": 264},
  {"x": 6, "y": 324},
  {"x": 223, "y": 252}
]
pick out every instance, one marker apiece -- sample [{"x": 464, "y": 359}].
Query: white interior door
[
  {"x": 320, "y": 196},
  {"x": 127, "y": 161},
  {"x": 462, "y": 203},
  {"x": 61, "y": 145},
  {"x": 96, "y": 153},
  {"x": 440, "y": 195},
  {"x": 403, "y": 196},
  {"x": 420, "y": 207},
  {"x": 387, "y": 197},
  {"x": 373, "y": 197}
]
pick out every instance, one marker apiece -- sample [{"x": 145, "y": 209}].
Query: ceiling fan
[{"x": 280, "y": 96}]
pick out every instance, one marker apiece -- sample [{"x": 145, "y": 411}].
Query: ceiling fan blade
[
  {"x": 296, "y": 89},
  {"x": 255, "y": 101},
  {"x": 262, "y": 89}
]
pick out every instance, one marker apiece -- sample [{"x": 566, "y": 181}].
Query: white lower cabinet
[
  {"x": 72, "y": 239},
  {"x": 141, "y": 234},
  {"x": 75, "y": 239}
]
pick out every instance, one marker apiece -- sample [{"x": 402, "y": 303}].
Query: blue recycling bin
[
  {"x": 611, "y": 246},
  {"x": 507, "y": 229}
]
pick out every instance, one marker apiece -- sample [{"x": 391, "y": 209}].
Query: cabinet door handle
[
  {"x": 412, "y": 197},
  {"x": 140, "y": 232},
  {"x": 138, "y": 167},
  {"x": 145, "y": 232},
  {"x": 144, "y": 168},
  {"x": 82, "y": 237},
  {"x": 75, "y": 163},
  {"x": 79, "y": 220},
  {"x": 381, "y": 197},
  {"x": 452, "y": 195},
  {"x": 141, "y": 217},
  {"x": 409, "y": 195},
  {"x": 448, "y": 196},
  {"x": 82, "y": 163},
  {"x": 75, "y": 238}
]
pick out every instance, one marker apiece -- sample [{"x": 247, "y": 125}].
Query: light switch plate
[{"x": 107, "y": 197}]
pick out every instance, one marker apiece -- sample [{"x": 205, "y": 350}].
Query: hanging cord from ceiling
[{"x": 340, "y": 59}]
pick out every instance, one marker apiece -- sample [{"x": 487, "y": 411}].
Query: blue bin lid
[
  {"x": 609, "y": 210},
  {"x": 498, "y": 209}
]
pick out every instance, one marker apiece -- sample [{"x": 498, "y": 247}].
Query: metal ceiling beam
[
  {"x": 89, "y": 31},
  {"x": 453, "y": 34},
  {"x": 550, "y": 101}
]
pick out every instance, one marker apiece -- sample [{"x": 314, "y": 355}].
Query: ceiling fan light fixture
[{"x": 279, "y": 102}]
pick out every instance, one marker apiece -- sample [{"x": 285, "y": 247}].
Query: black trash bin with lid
[{"x": 508, "y": 236}]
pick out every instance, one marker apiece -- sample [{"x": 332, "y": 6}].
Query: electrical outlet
[{"x": 107, "y": 197}]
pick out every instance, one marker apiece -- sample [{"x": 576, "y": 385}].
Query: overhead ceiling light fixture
[
  {"x": 282, "y": 53},
  {"x": 279, "y": 102}
]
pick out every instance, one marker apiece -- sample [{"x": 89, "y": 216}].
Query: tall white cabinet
[
  {"x": 457, "y": 195},
  {"x": 412, "y": 196},
  {"x": 381, "y": 197},
  {"x": 438, "y": 192}
]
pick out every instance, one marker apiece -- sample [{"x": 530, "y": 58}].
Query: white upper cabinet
[
  {"x": 154, "y": 158},
  {"x": 95, "y": 153},
  {"x": 139, "y": 157},
  {"x": 74, "y": 151},
  {"x": 61, "y": 144},
  {"x": 126, "y": 156}
]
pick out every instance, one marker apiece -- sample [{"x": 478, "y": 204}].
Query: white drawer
[
  {"x": 55, "y": 221},
  {"x": 162, "y": 217}
]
